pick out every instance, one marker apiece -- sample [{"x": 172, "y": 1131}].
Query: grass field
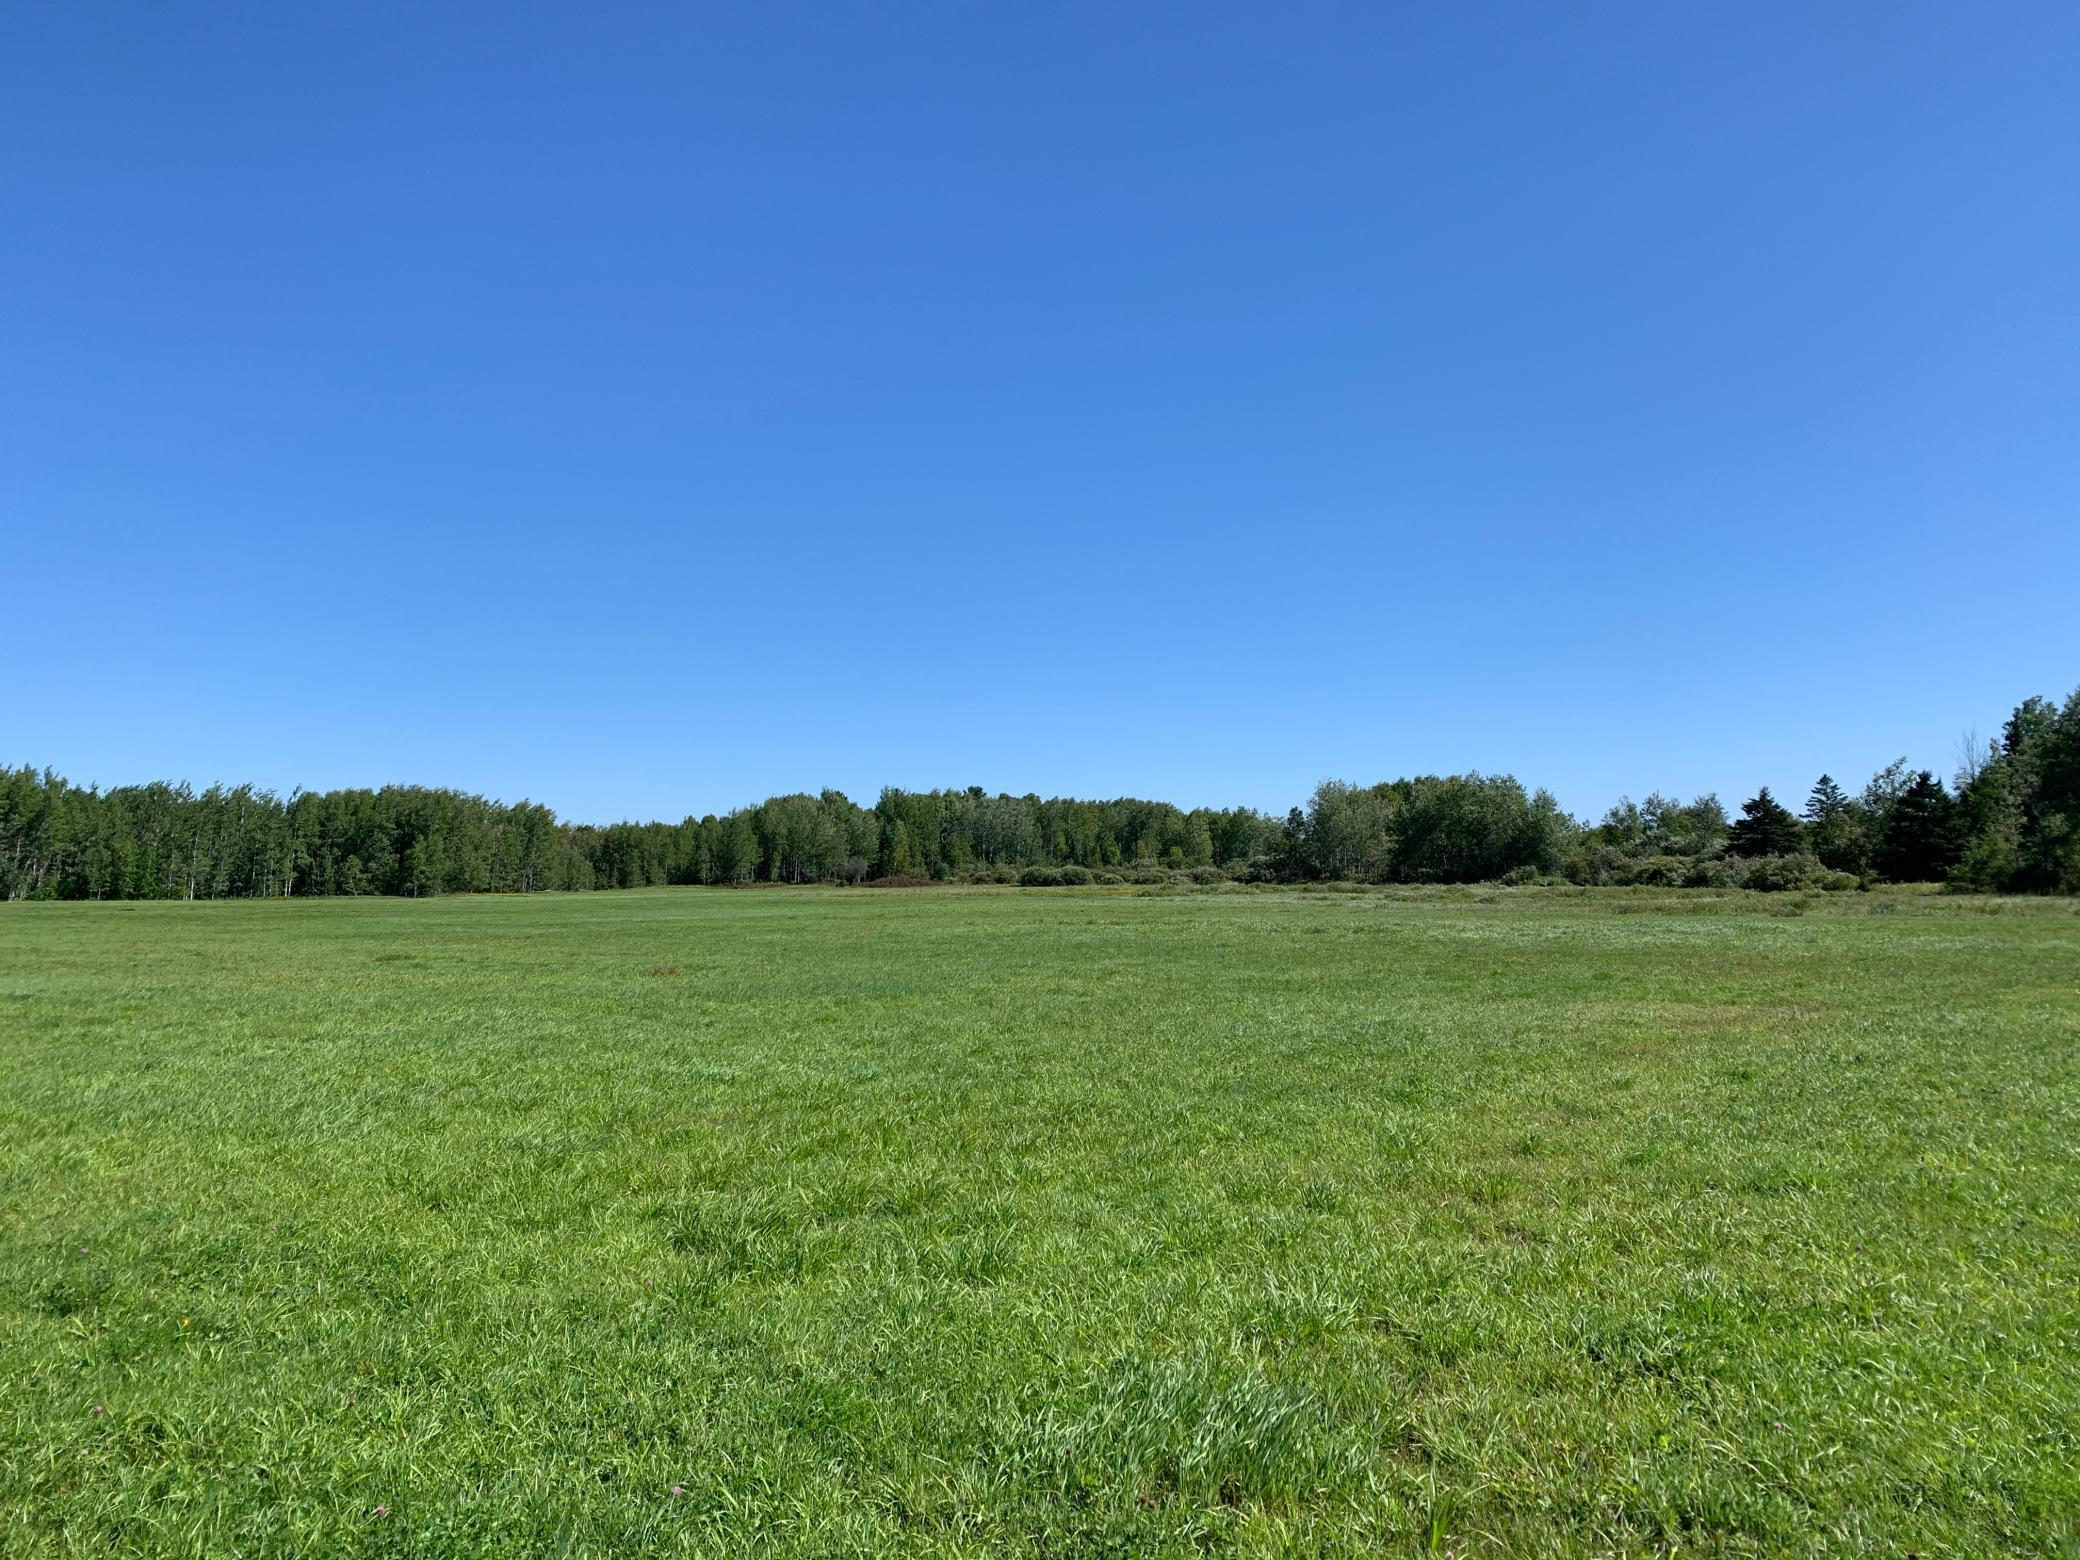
[{"x": 1045, "y": 1223}]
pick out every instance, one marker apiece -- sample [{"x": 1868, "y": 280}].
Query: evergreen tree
[
  {"x": 1839, "y": 829},
  {"x": 1919, "y": 841},
  {"x": 2041, "y": 749},
  {"x": 1826, "y": 801},
  {"x": 2012, "y": 824},
  {"x": 1765, "y": 828}
]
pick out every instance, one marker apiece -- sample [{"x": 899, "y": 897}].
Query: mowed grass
[{"x": 1043, "y": 1223}]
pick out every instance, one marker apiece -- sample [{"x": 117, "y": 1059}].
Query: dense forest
[{"x": 2010, "y": 820}]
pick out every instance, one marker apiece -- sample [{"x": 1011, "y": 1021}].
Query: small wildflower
[
  {"x": 100, "y": 1408},
  {"x": 678, "y": 1490},
  {"x": 382, "y": 1511}
]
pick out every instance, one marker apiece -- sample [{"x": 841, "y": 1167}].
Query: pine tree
[
  {"x": 1919, "y": 843},
  {"x": 1827, "y": 800},
  {"x": 1765, "y": 828}
]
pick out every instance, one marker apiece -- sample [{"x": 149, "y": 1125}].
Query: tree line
[{"x": 2010, "y": 820}]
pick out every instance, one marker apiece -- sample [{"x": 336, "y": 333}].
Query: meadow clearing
[{"x": 1041, "y": 1222}]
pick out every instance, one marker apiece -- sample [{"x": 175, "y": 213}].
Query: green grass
[{"x": 1041, "y": 1223}]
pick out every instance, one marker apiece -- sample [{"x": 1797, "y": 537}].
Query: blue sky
[{"x": 646, "y": 409}]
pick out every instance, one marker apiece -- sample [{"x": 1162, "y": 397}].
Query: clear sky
[{"x": 644, "y": 409}]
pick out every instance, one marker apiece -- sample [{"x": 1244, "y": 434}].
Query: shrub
[
  {"x": 1110, "y": 879},
  {"x": 1659, "y": 872},
  {"x": 1208, "y": 875},
  {"x": 1519, "y": 877},
  {"x": 1075, "y": 876},
  {"x": 1780, "y": 874},
  {"x": 1840, "y": 882},
  {"x": 1040, "y": 877},
  {"x": 1715, "y": 872}
]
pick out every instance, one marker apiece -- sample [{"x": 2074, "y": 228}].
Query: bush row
[{"x": 1795, "y": 872}]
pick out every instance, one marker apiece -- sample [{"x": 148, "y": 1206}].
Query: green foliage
[
  {"x": 1845, "y": 839},
  {"x": 2013, "y": 825},
  {"x": 1430, "y": 829},
  {"x": 1792, "y": 870},
  {"x": 1826, "y": 802},
  {"x": 61, "y": 842},
  {"x": 1656, "y": 843},
  {"x": 1840, "y": 830},
  {"x": 2028, "y": 822},
  {"x": 1765, "y": 828},
  {"x": 1917, "y": 841}
]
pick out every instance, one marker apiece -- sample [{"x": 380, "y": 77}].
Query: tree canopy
[
  {"x": 1765, "y": 828},
  {"x": 2012, "y": 822}
]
